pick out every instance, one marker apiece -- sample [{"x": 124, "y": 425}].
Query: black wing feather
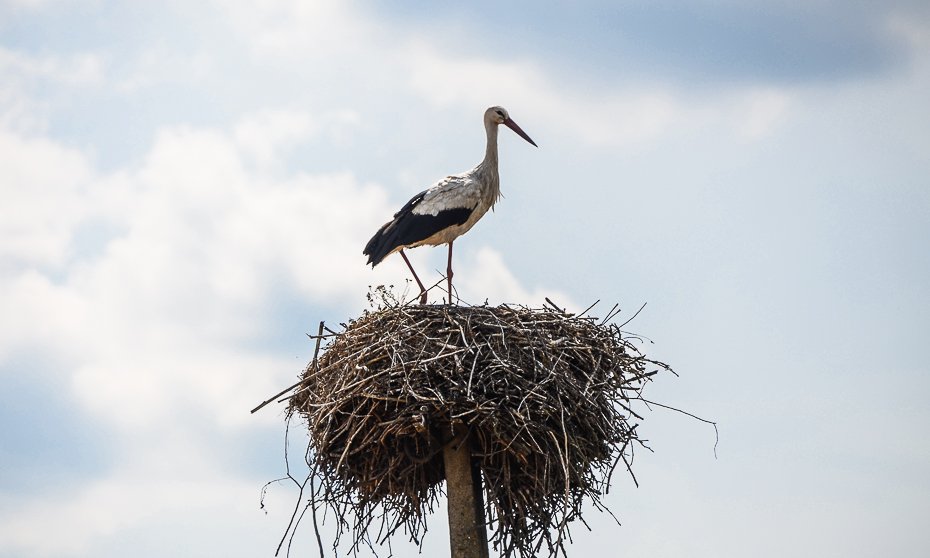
[{"x": 409, "y": 228}]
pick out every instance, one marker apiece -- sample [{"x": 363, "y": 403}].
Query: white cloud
[
  {"x": 76, "y": 70},
  {"x": 268, "y": 134},
  {"x": 205, "y": 240},
  {"x": 70, "y": 525},
  {"x": 271, "y": 131},
  {"x": 295, "y": 29},
  {"x": 21, "y": 74},
  {"x": 309, "y": 32},
  {"x": 45, "y": 191},
  {"x": 159, "y": 64},
  {"x": 476, "y": 83},
  {"x": 409, "y": 63},
  {"x": 40, "y": 316},
  {"x": 485, "y": 276}
]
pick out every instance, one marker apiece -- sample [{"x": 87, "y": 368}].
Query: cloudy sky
[{"x": 186, "y": 188}]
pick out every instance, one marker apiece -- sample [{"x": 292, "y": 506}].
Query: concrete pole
[{"x": 468, "y": 537}]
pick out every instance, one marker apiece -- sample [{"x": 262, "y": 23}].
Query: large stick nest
[{"x": 545, "y": 394}]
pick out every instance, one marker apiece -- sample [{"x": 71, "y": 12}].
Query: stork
[{"x": 448, "y": 209}]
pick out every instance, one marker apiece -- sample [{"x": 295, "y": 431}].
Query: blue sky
[{"x": 186, "y": 187}]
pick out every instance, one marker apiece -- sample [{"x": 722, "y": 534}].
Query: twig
[
  {"x": 634, "y": 316},
  {"x": 716, "y": 432},
  {"x": 276, "y": 396},
  {"x": 315, "y": 352},
  {"x": 586, "y": 310}
]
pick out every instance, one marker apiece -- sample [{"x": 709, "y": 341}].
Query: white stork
[{"x": 448, "y": 209}]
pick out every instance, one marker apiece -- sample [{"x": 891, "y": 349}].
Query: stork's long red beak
[{"x": 513, "y": 126}]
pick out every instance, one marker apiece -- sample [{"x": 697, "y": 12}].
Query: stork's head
[{"x": 499, "y": 115}]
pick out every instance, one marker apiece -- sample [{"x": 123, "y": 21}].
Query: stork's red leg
[
  {"x": 449, "y": 274},
  {"x": 422, "y": 288}
]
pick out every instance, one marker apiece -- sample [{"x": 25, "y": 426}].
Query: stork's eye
[{"x": 499, "y": 113}]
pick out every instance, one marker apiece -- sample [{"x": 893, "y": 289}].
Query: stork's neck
[
  {"x": 490, "y": 154},
  {"x": 486, "y": 172},
  {"x": 488, "y": 167}
]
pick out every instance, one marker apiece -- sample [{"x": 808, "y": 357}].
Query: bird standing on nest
[{"x": 448, "y": 209}]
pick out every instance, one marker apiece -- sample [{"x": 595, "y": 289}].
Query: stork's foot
[{"x": 423, "y": 297}]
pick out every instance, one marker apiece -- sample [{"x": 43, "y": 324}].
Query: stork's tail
[
  {"x": 379, "y": 246},
  {"x": 386, "y": 240}
]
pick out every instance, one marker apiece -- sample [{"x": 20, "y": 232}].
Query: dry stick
[
  {"x": 604, "y": 321},
  {"x": 556, "y": 306},
  {"x": 690, "y": 415},
  {"x": 634, "y": 316},
  {"x": 612, "y": 315},
  {"x": 614, "y": 466},
  {"x": 276, "y": 396},
  {"x": 324, "y": 336},
  {"x": 300, "y": 497},
  {"x": 409, "y": 303},
  {"x": 567, "y": 478},
  {"x": 315, "y": 352},
  {"x": 590, "y": 307},
  {"x": 287, "y": 469},
  {"x": 472, "y": 374}
]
